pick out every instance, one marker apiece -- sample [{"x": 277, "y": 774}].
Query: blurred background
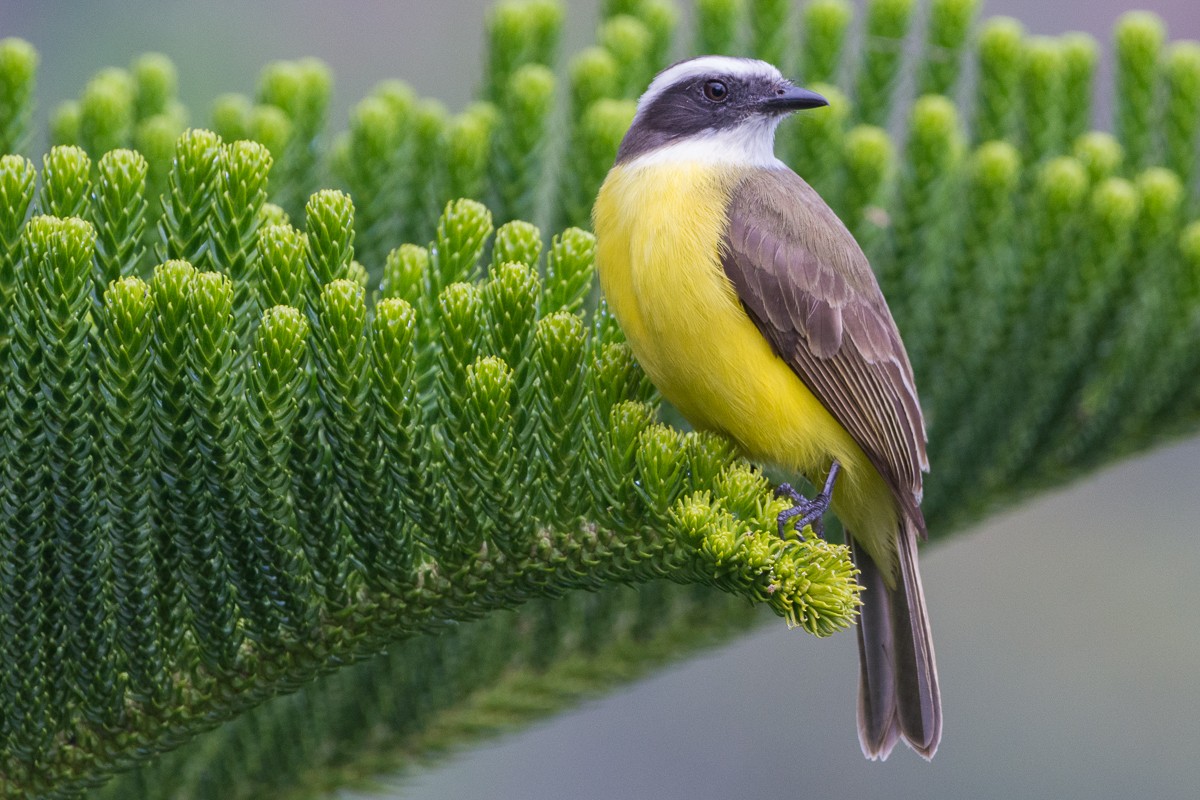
[{"x": 1068, "y": 630}]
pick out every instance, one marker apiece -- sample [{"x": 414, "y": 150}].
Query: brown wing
[{"x": 808, "y": 287}]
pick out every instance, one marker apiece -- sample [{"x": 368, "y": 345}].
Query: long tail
[{"x": 898, "y": 695}]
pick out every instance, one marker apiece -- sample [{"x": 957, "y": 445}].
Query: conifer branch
[{"x": 257, "y": 428}]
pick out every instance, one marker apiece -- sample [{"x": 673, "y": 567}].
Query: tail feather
[
  {"x": 877, "y": 728},
  {"x": 898, "y": 696}
]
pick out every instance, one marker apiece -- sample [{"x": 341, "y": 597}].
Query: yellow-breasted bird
[{"x": 755, "y": 313}]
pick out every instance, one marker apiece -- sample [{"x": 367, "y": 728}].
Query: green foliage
[
  {"x": 661, "y": 17},
  {"x": 886, "y": 28},
  {"x": 136, "y": 109},
  {"x": 195, "y": 171},
  {"x": 106, "y": 110},
  {"x": 597, "y": 136},
  {"x": 281, "y": 602},
  {"x": 718, "y": 25},
  {"x": 1080, "y": 54},
  {"x": 1043, "y": 98},
  {"x": 474, "y": 680},
  {"x": 279, "y": 473},
  {"x": 868, "y": 155},
  {"x": 300, "y": 90},
  {"x": 468, "y": 136},
  {"x": 824, "y": 27},
  {"x": 65, "y": 182},
  {"x": 1100, "y": 153},
  {"x": 370, "y": 162},
  {"x": 1181, "y": 113},
  {"x": 807, "y": 140},
  {"x": 17, "y": 180},
  {"x": 970, "y": 317},
  {"x": 520, "y": 32},
  {"x": 18, "y": 71},
  {"x": 570, "y": 267},
  {"x": 258, "y": 427},
  {"x": 770, "y": 33},
  {"x": 999, "y": 54},
  {"x": 280, "y": 271},
  {"x": 155, "y": 84},
  {"x": 119, "y": 213},
  {"x": 1138, "y": 39},
  {"x": 949, "y": 25},
  {"x": 126, "y": 455},
  {"x": 630, "y": 42},
  {"x": 921, "y": 223},
  {"x": 518, "y": 157}
]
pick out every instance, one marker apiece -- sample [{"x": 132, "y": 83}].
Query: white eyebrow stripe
[{"x": 706, "y": 65}]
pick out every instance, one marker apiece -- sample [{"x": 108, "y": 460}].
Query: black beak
[{"x": 793, "y": 98}]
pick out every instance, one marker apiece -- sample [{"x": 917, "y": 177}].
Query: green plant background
[{"x": 1066, "y": 629}]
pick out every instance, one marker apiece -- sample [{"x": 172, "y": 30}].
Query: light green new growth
[
  {"x": 947, "y": 34},
  {"x": 869, "y": 156},
  {"x": 927, "y": 188},
  {"x": 997, "y": 95},
  {"x": 1181, "y": 112},
  {"x": 806, "y": 141},
  {"x": 18, "y": 71},
  {"x": 629, "y": 41},
  {"x": 1044, "y": 99},
  {"x": 718, "y": 26},
  {"x": 1138, "y": 41},
  {"x": 278, "y": 393},
  {"x": 770, "y": 32},
  {"x": 886, "y": 29},
  {"x": 518, "y": 157},
  {"x": 1080, "y": 53},
  {"x": 823, "y": 30}
]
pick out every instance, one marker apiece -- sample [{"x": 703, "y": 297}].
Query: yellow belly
[{"x": 658, "y": 229}]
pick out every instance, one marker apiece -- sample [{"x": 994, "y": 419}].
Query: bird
[{"x": 755, "y": 313}]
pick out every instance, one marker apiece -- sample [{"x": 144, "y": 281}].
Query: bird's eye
[{"x": 716, "y": 91}]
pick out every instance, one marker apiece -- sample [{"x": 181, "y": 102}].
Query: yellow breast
[{"x": 658, "y": 230}]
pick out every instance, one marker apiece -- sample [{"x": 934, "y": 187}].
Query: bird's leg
[{"x": 805, "y": 511}]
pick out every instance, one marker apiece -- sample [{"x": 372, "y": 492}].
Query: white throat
[{"x": 751, "y": 144}]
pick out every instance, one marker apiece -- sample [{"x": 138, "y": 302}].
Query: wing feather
[{"x": 808, "y": 287}]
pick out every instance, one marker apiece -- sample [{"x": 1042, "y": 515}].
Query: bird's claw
[
  {"x": 786, "y": 490},
  {"x": 805, "y": 512}
]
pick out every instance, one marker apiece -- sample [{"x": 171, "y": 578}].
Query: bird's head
[{"x": 714, "y": 108}]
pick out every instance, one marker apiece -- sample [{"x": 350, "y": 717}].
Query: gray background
[{"x": 1067, "y": 631}]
